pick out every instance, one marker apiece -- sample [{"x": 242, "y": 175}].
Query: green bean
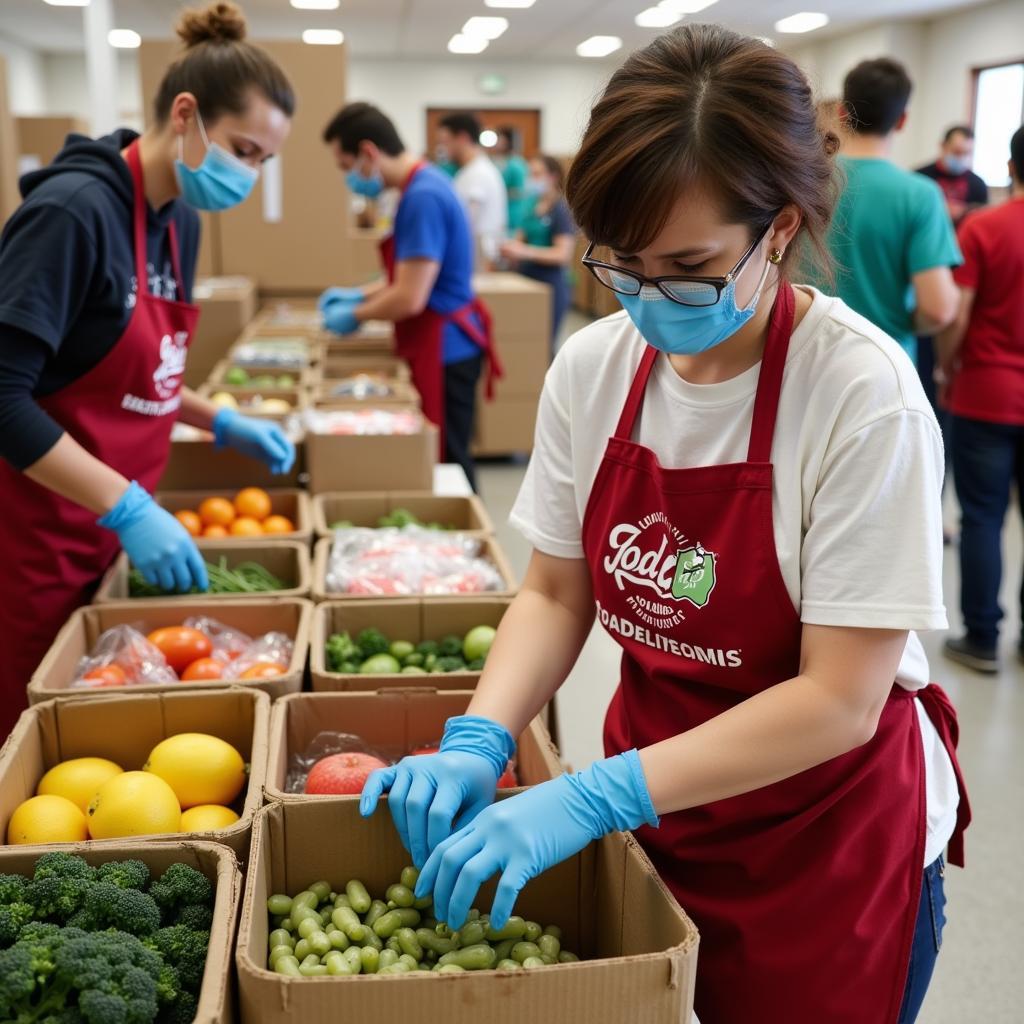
[
  {"x": 549, "y": 946},
  {"x": 386, "y": 925},
  {"x": 308, "y": 925},
  {"x": 280, "y": 937},
  {"x": 345, "y": 919},
  {"x": 388, "y": 957},
  {"x": 279, "y": 904},
  {"x": 423, "y": 902},
  {"x": 336, "y": 963},
  {"x": 410, "y": 944},
  {"x": 311, "y": 959},
  {"x": 410, "y": 961},
  {"x": 321, "y": 890},
  {"x": 565, "y": 957},
  {"x": 332, "y": 896},
  {"x": 522, "y": 950},
  {"x": 532, "y": 932},
  {"x": 378, "y": 908},
  {"x": 277, "y": 952},
  {"x": 443, "y": 930},
  {"x": 508, "y": 965},
  {"x": 370, "y": 958},
  {"x": 478, "y": 957},
  {"x": 549, "y": 961},
  {"x": 300, "y": 912},
  {"x": 401, "y": 895},
  {"x": 514, "y": 928},
  {"x": 354, "y": 957},
  {"x": 341, "y": 900},
  {"x": 392, "y": 905},
  {"x": 394, "y": 944},
  {"x": 303, "y": 949},
  {"x": 553, "y": 929},
  {"x": 371, "y": 938},
  {"x": 305, "y": 899},
  {"x": 503, "y": 950},
  {"x": 533, "y": 962},
  {"x": 398, "y": 968},
  {"x": 449, "y": 969},
  {"x": 325, "y": 916},
  {"x": 357, "y": 895},
  {"x": 313, "y": 970},
  {"x": 410, "y": 876},
  {"x": 430, "y": 940},
  {"x": 471, "y": 933},
  {"x": 319, "y": 943},
  {"x": 339, "y": 940},
  {"x": 287, "y": 924},
  {"x": 287, "y": 965}
]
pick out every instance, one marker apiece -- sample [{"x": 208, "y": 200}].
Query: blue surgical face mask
[
  {"x": 219, "y": 182},
  {"x": 534, "y": 187},
  {"x": 956, "y": 164},
  {"x": 687, "y": 330},
  {"x": 368, "y": 185}
]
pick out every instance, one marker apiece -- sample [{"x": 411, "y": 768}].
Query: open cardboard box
[
  {"x": 217, "y": 996},
  {"x": 215, "y": 381},
  {"x": 78, "y": 636},
  {"x": 291, "y": 502},
  {"x": 288, "y": 560},
  {"x": 412, "y": 619},
  {"x": 392, "y": 722},
  {"x": 465, "y": 514},
  {"x": 638, "y": 945},
  {"x": 372, "y": 462},
  {"x": 196, "y": 463},
  {"x": 307, "y": 351},
  {"x": 248, "y": 400},
  {"x": 400, "y": 393},
  {"x": 490, "y": 551},
  {"x": 288, "y": 317},
  {"x": 125, "y": 729},
  {"x": 338, "y": 367}
]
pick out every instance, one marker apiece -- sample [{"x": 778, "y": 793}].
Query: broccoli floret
[
  {"x": 109, "y": 906},
  {"x": 476, "y": 665},
  {"x": 341, "y": 649},
  {"x": 13, "y": 918},
  {"x": 427, "y": 647},
  {"x": 62, "y": 865},
  {"x": 12, "y": 889},
  {"x": 181, "y": 886},
  {"x": 450, "y": 664},
  {"x": 57, "y": 898},
  {"x": 198, "y": 918},
  {"x": 125, "y": 874},
  {"x": 450, "y": 646},
  {"x": 372, "y": 641},
  {"x": 185, "y": 950}
]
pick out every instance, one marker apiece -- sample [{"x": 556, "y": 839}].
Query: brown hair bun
[{"x": 217, "y": 23}]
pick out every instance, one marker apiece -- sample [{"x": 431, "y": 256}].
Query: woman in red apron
[
  {"x": 442, "y": 330},
  {"x": 95, "y": 269},
  {"x": 740, "y": 479}
]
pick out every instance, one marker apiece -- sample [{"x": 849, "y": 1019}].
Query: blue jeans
[
  {"x": 988, "y": 458},
  {"x": 931, "y": 919}
]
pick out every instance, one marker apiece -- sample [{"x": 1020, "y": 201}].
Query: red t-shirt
[{"x": 989, "y": 384}]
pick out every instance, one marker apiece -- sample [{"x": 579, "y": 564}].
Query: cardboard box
[
  {"x": 304, "y": 379},
  {"x": 412, "y": 619},
  {"x": 255, "y": 334},
  {"x": 338, "y": 367},
  {"x": 297, "y": 399},
  {"x": 401, "y": 394},
  {"x": 364, "y": 252},
  {"x": 288, "y": 560},
  {"x": 226, "y": 305},
  {"x": 640, "y": 947},
  {"x": 10, "y": 197},
  {"x": 505, "y": 426},
  {"x": 392, "y": 723},
  {"x": 196, "y": 464},
  {"x": 465, "y": 514},
  {"x": 525, "y": 367},
  {"x": 125, "y": 730},
  {"x": 217, "y": 996},
  {"x": 290, "y": 502},
  {"x": 79, "y": 634},
  {"x": 517, "y": 304},
  {"x": 286, "y": 316},
  {"x": 490, "y": 551},
  {"x": 379, "y": 462},
  {"x": 40, "y": 139}
]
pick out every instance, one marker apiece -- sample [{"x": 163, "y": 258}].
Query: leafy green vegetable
[
  {"x": 372, "y": 641},
  {"x": 450, "y": 646},
  {"x": 244, "y": 578}
]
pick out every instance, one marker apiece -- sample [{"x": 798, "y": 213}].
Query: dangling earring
[{"x": 775, "y": 257}]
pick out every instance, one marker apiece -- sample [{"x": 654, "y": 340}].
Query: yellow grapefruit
[
  {"x": 207, "y": 818},
  {"x": 133, "y": 804},
  {"x": 201, "y": 769},
  {"x": 78, "y": 780},
  {"x": 47, "y": 819}
]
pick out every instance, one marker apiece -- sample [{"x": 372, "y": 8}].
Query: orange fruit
[
  {"x": 47, "y": 819},
  {"x": 77, "y": 780},
  {"x": 207, "y": 818},
  {"x": 203, "y": 668},
  {"x": 253, "y": 501},
  {"x": 216, "y": 530},
  {"x": 264, "y": 670},
  {"x": 278, "y": 524},
  {"x": 133, "y": 804},
  {"x": 245, "y": 526},
  {"x": 190, "y": 521},
  {"x": 201, "y": 769},
  {"x": 216, "y": 512}
]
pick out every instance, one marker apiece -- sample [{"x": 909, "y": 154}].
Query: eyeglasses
[{"x": 687, "y": 291}]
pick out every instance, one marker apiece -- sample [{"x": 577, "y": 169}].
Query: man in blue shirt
[{"x": 441, "y": 329}]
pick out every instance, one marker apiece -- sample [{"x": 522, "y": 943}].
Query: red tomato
[
  {"x": 264, "y": 670},
  {"x": 106, "y": 675},
  {"x": 342, "y": 773},
  {"x": 181, "y": 645},
  {"x": 203, "y": 668}
]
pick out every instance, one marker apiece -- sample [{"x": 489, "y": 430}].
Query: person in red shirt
[{"x": 982, "y": 356}]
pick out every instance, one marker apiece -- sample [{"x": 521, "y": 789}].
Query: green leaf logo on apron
[{"x": 695, "y": 576}]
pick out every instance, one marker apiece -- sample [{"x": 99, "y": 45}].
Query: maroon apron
[
  {"x": 805, "y": 891},
  {"x": 419, "y": 340},
  {"x": 122, "y": 412}
]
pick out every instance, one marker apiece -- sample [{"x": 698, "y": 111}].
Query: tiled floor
[{"x": 978, "y": 979}]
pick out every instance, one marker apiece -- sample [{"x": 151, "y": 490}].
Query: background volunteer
[
  {"x": 964, "y": 190},
  {"x": 94, "y": 334},
  {"x": 514, "y": 172},
  {"x": 441, "y": 329}
]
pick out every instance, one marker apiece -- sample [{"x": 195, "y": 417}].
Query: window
[{"x": 998, "y": 113}]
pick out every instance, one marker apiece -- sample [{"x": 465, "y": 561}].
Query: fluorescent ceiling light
[
  {"x": 323, "y": 37},
  {"x": 598, "y": 46},
  {"x": 466, "y": 44},
  {"x": 488, "y": 138},
  {"x": 686, "y": 6},
  {"x": 805, "y": 21},
  {"x": 67, "y": 3},
  {"x": 656, "y": 17},
  {"x": 517, "y": 4},
  {"x": 124, "y": 38},
  {"x": 316, "y": 5},
  {"x": 485, "y": 28}
]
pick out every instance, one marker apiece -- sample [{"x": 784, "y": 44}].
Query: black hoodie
[{"x": 67, "y": 280}]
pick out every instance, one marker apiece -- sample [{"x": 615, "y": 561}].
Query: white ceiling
[{"x": 549, "y": 30}]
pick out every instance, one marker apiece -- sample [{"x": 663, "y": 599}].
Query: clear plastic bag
[
  {"x": 363, "y": 422},
  {"x": 228, "y": 643},
  {"x": 269, "y": 649},
  {"x": 409, "y": 560},
  {"x": 122, "y": 657},
  {"x": 324, "y": 744}
]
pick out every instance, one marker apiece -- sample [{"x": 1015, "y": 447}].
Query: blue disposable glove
[
  {"x": 156, "y": 543},
  {"x": 340, "y": 317},
  {"x": 333, "y": 295},
  {"x": 528, "y": 833},
  {"x": 259, "y": 439},
  {"x": 427, "y": 793}
]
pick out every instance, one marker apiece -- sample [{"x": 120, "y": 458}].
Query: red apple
[{"x": 342, "y": 773}]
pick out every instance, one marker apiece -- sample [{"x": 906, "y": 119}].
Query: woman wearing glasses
[{"x": 740, "y": 478}]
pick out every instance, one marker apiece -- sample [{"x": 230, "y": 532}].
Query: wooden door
[{"x": 525, "y": 122}]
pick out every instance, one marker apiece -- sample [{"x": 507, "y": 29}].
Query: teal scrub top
[{"x": 514, "y": 172}]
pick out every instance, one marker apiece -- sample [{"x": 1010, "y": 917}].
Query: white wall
[
  {"x": 67, "y": 92},
  {"x": 404, "y": 89},
  {"x": 26, "y": 81}
]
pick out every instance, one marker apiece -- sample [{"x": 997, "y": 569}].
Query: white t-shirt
[
  {"x": 481, "y": 188},
  {"x": 858, "y": 468}
]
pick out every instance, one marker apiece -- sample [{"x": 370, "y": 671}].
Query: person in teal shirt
[
  {"x": 544, "y": 244},
  {"x": 891, "y": 236},
  {"x": 514, "y": 171}
]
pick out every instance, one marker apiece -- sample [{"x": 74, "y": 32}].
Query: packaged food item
[
  {"x": 362, "y": 421},
  {"x": 278, "y": 353},
  {"x": 122, "y": 657}
]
